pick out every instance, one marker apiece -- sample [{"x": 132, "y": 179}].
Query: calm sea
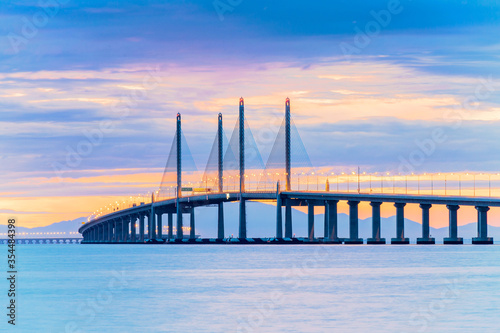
[{"x": 207, "y": 288}]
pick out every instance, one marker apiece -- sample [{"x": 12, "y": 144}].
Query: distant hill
[
  {"x": 64, "y": 228},
  {"x": 261, "y": 219}
]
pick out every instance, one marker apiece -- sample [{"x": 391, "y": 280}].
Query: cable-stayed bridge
[{"x": 235, "y": 173}]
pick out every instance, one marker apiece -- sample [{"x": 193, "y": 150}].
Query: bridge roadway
[{"x": 120, "y": 226}]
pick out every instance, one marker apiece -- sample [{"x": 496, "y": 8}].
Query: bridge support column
[
  {"x": 482, "y": 226},
  {"x": 288, "y": 219},
  {"x": 102, "y": 233},
  {"x": 170, "y": 225},
  {"x": 109, "y": 232},
  {"x": 453, "y": 226},
  {"x": 104, "y": 227},
  {"x": 160, "y": 226},
  {"x": 126, "y": 230},
  {"x": 180, "y": 234},
  {"x": 119, "y": 230},
  {"x": 331, "y": 213},
  {"x": 152, "y": 225},
  {"x": 279, "y": 215},
  {"x": 243, "y": 218},
  {"x": 220, "y": 221},
  {"x": 141, "y": 228},
  {"x": 425, "y": 226},
  {"x": 353, "y": 224},
  {"x": 115, "y": 234},
  {"x": 326, "y": 223},
  {"x": 376, "y": 232},
  {"x": 192, "y": 228},
  {"x": 400, "y": 225},
  {"x": 310, "y": 220},
  {"x": 133, "y": 229}
]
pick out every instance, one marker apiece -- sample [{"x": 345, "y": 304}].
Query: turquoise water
[{"x": 207, "y": 288}]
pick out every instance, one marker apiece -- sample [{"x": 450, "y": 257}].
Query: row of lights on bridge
[{"x": 43, "y": 233}]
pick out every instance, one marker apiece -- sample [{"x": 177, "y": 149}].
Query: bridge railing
[{"x": 447, "y": 184}]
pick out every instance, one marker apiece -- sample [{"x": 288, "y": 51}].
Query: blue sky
[{"x": 430, "y": 64}]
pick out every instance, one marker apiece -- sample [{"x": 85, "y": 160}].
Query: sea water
[{"x": 257, "y": 288}]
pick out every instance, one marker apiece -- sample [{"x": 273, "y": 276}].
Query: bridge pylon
[
  {"x": 180, "y": 234},
  {"x": 220, "y": 154},
  {"x": 243, "y": 218},
  {"x": 288, "y": 169},
  {"x": 179, "y": 156},
  {"x": 287, "y": 145}
]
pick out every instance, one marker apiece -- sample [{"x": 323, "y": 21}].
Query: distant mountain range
[
  {"x": 261, "y": 223},
  {"x": 64, "y": 229}
]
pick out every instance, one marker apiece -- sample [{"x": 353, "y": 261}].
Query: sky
[{"x": 89, "y": 90}]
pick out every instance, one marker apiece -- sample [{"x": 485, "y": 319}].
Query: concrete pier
[
  {"x": 115, "y": 233},
  {"x": 133, "y": 229},
  {"x": 159, "y": 233},
  {"x": 141, "y": 228},
  {"x": 353, "y": 224},
  {"x": 326, "y": 222},
  {"x": 331, "y": 213},
  {"x": 288, "y": 219},
  {"x": 279, "y": 214},
  {"x": 400, "y": 225},
  {"x": 220, "y": 221},
  {"x": 152, "y": 225},
  {"x": 125, "y": 231},
  {"x": 243, "y": 219},
  {"x": 180, "y": 234},
  {"x": 170, "y": 226},
  {"x": 453, "y": 226},
  {"x": 110, "y": 232},
  {"x": 310, "y": 221},
  {"x": 191, "y": 224},
  {"x": 482, "y": 226},
  {"x": 426, "y": 239},
  {"x": 376, "y": 231},
  {"x": 119, "y": 228}
]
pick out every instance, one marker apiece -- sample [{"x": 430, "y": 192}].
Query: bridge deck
[{"x": 298, "y": 198}]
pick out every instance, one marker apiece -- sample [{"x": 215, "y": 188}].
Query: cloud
[{"x": 11, "y": 211}]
